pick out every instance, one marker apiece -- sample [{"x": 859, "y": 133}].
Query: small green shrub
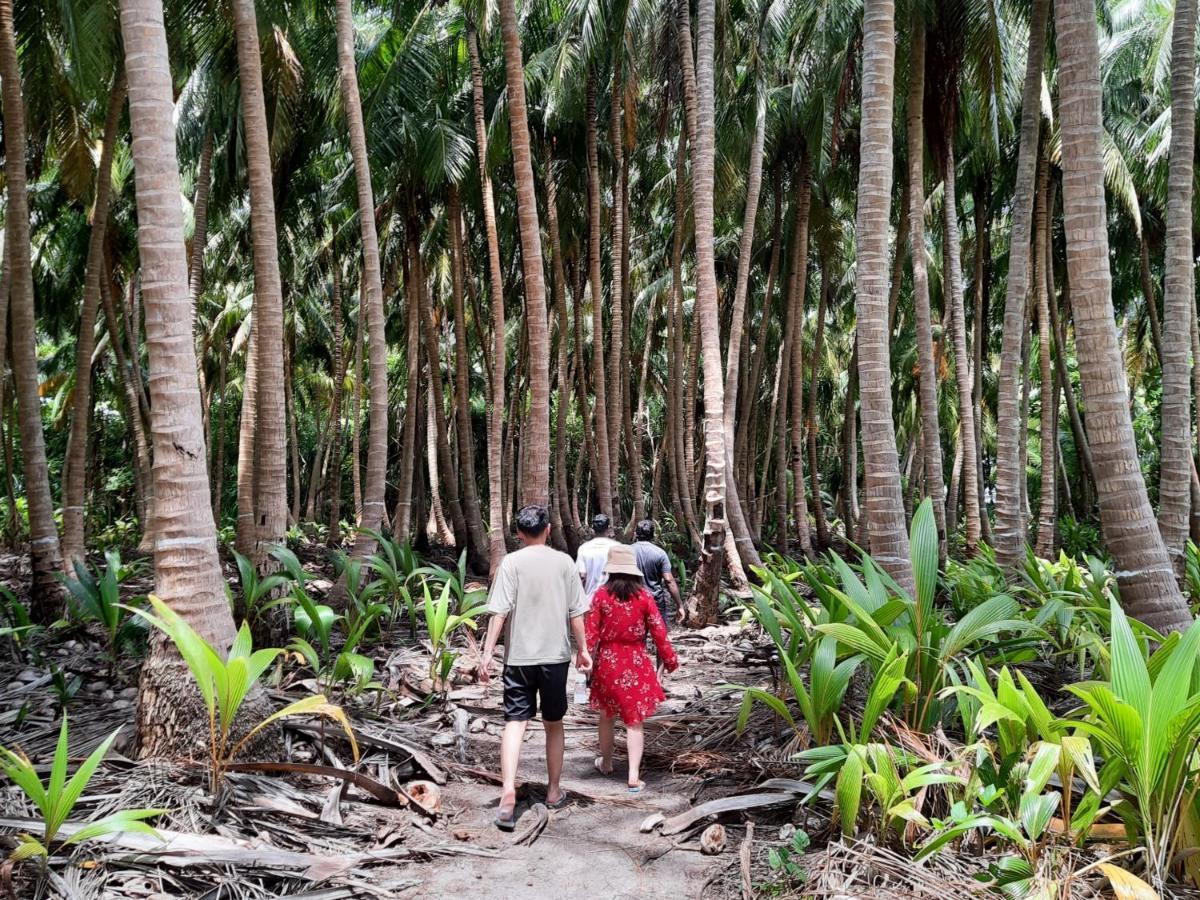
[{"x": 96, "y": 597}]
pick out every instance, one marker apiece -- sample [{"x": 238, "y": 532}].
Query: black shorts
[{"x": 524, "y": 684}]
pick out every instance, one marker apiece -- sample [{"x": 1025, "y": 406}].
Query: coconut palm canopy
[{"x": 770, "y": 274}]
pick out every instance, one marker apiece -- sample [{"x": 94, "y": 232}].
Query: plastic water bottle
[{"x": 581, "y": 688}]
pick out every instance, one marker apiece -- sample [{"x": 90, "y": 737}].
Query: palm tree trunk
[
  {"x": 979, "y": 344},
  {"x": 559, "y": 293},
  {"x": 884, "y": 503},
  {"x": 962, "y": 360},
  {"x": 187, "y": 571},
  {"x": 1048, "y": 388},
  {"x": 355, "y": 434},
  {"x": 246, "y": 535},
  {"x": 45, "y": 553},
  {"x": 702, "y": 606},
  {"x": 402, "y": 518},
  {"x": 810, "y": 414},
  {"x": 794, "y": 360},
  {"x": 1147, "y": 583},
  {"x": 496, "y": 524},
  {"x": 377, "y": 436},
  {"x": 200, "y": 218},
  {"x": 293, "y": 441},
  {"x": 75, "y": 464},
  {"x": 535, "y": 436},
  {"x": 270, "y": 450},
  {"x": 616, "y": 333},
  {"x": 600, "y": 437},
  {"x": 1010, "y": 517},
  {"x": 915, "y": 131},
  {"x": 1175, "y": 473},
  {"x": 333, "y": 460},
  {"x": 462, "y": 391}
]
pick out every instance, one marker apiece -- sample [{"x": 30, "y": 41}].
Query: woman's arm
[{"x": 591, "y": 626}]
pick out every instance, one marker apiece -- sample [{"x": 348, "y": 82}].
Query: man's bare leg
[
  {"x": 510, "y": 756},
  {"x": 555, "y": 745}
]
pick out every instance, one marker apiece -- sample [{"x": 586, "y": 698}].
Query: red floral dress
[{"x": 624, "y": 682}]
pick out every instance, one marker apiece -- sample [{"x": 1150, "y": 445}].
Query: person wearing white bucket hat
[{"x": 624, "y": 682}]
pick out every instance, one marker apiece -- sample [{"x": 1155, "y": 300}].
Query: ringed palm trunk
[
  {"x": 45, "y": 553},
  {"x": 535, "y": 433},
  {"x": 962, "y": 359},
  {"x": 1175, "y": 474},
  {"x": 1010, "y": 516},
  {"x": 702, "y": 606},
  {"x": 744, "y": 540},
  {"x": 246, "y": 536},
  {"x": 1147, "y": 583},
  {"x": 496, "y": 524},
  {"x": 74, "y": 475},
  {"x": 270, "y": 448},
  {"x": 187, "y": 572},
  {"x": 1047, "y": 388},
  {"x": 604, "y": 470},
  {"x": 931, "y": 456},
  {"x": 795, "y": 373},
  {"x": 462, "y": 391},
  {"x": 377, "y": 435},
  {"x": 617, "y": 381},
  {"x": 810, "y": 410},
  {"x": 884, "y": 504},
  {"x": 563, "y": 380},
  {"x": 333, "y": 461},
  {"x": 402, "y": 519}
]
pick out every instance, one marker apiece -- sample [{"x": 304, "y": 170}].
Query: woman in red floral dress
[{"x": 624, "y": 682}]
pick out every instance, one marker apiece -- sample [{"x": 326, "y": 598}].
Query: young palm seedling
[
  {"x": 442, "y": 624},
  {"x": 56, "y": 798},
  {"x": 225, "y": 684},
  {"x": 97, "y": 597}
]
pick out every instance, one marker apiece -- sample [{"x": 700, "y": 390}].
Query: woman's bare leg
[
  {"x": 635, "y": 741},
  {"x": 605, "y": 763}
]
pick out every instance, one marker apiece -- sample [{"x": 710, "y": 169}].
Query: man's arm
[
  {"x": 673, "y": 588},
  {"x": 583, "y": 659},
  {"x": 495, "y": 629}
]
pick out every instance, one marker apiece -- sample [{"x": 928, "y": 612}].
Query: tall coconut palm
[
  {"x": 270, "y": 450},
  {"x": 934, "y": 479},
  {"x": 1010, "y": 514},
  {"x": 1047, "y": 388},
  {"x": 535, "y": 433},
  {"x": 74, "y": 475},
  {"x": 496, "y": 548},
  {"x": 883, "y": 503},
  {"x": 187, "y": 571},
  {"x": 1148, "y": 587},
  {"x": 377, "y": 435},
  {"x": 44, "y": 549},
  {"x": 1175, "y": 473},
  {"x": 702, "y": 605}
]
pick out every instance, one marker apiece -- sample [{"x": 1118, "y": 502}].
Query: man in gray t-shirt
[
  {"x": 656, "y": 569},
  {"x": 537, "y": 603}
]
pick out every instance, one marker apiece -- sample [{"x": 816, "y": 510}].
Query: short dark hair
[
  {"x": 533, "y": 520},
  {"x": 601, "y": 523},
  {"x": 644, "y": 530}
]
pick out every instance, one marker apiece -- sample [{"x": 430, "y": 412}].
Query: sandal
[
  {"x": 637, "y": 788},
  {"x": 559, "y": 803},
  {"x": 506, "y": 823},
  {"x": 599, "y": 764}
]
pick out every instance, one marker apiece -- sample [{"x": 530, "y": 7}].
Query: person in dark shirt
[{"x": 656, "y": 570}]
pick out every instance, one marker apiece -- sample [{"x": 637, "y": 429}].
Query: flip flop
[
  {"x": 559, "y": 803},
  {"x": 506, "y": 823},
  {"x": 637, "y": 788},
  {"x": 599, "y": 764}
]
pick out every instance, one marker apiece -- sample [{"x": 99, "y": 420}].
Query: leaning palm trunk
[
  {"x": 377, "y": 435},
  {"x": 1175, "y": 474},
  {"x": 702, "y": 606},
  {"x": 187, "y": 572},
  {"x": 496, "y": 547},
  {"x": 1147, "y": 583},
  {"x": 535, "y": 431},
  {"x": 931, "y": 456},
  {"x": 884, "y": 503},
  {"x": 270, "y": 447},
  {"x": 74, "y": 475},
  {"x": 45, "y": 554},
  {"x": 1010, "y": 515},
  {"x": 246, "y": 535}
]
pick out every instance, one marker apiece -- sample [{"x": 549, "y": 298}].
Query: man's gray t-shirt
[
  {"x": 538, "y": 589},
  {"x": 655, "y": 565}
]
